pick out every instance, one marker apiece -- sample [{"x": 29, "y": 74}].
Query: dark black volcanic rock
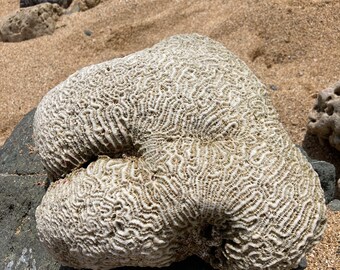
[
  {"x": 22, "y": 185},
  {"x": 326, "y": 172},
  {"x": 29, "y": 3},
  {"x": 327, "y": 175},
  {"x": 18, "y": 156}
]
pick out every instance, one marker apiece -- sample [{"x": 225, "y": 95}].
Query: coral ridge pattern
[{"x": 172, "y": 151}]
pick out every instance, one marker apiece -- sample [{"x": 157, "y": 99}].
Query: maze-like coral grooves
[{"x": 192, "y": 159}]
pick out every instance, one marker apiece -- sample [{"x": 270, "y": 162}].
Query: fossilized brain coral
[
  {"x": 168, "y": 152},
  {"x": 324, "y": 119}
]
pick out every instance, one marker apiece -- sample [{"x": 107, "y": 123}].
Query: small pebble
[
  {"x": 334, "y": 205},
  {"x": 294, "y": 122},
  {"x": 88, "y": 32},
  {"x": 302, "y": 264},
  {"x": 273, "y": 87},
  {"x": 73, "y": 9}
]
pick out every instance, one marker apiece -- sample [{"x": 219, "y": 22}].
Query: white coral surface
[{"x": 191, "y": 159}]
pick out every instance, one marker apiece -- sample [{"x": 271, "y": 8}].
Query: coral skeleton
[{"x": 172, "y": 151}]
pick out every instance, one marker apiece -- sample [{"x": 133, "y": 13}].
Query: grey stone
[
  {"x": 22, "y": 185},
  {"x": 29, "y": 3},
  {"x": 273, "y": 87},
  {"x": 87, "y": 32},
  {"x": 334, "y": 205},
  {"x": 327, "y": 174},
  {"x": 19, "y": 246},
  {"x": 18, "y": 155},
  {"x": 302, "y": 265}
]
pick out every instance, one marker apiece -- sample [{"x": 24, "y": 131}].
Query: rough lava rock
[
  {"x": 30, "y": 23},
  {"x": 173, "y": 151},
  {"x": 22, "y": 185},
  {"x": 30, "y": 3},
  {"x": 324, "y": 119},
  {"x": 326, "y": 172},
  {"x": 327, "y": 175}
]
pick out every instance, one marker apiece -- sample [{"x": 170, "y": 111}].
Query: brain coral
[{"x": 168, "y": 152}]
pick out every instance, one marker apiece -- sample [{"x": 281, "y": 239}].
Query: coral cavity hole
[
  {"x": 317, "y": 108},
  {"x": 337, "y": 90},
  {"x": 130, "y": 153},
  {"x": 313, "y": 120},
  {"x": 207, "y": 231},
  {"x": 330, "y": 110},
  {"x": 89, "y": 161}
]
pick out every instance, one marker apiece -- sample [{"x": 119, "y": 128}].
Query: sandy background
[{"x": 292, "y": 45}]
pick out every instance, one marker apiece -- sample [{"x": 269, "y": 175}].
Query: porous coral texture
[
  {"x": 192, "y": 159},
  {"x": 30, "y": 23},
  {"x": 324, "y": 119}
]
